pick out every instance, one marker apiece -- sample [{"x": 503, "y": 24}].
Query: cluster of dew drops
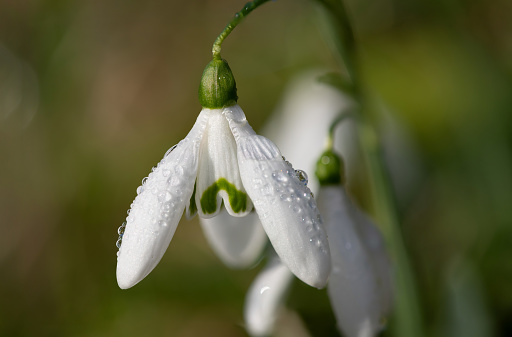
[
  {"x": 122, "y": 228},
  {"x": 303, "y": 178},
  {"x": 301, "y": 175}
]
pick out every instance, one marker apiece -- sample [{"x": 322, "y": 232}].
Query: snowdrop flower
[
  {"x": 307, "y": 104},
  {"x": 222, "y": 161},
  {"x": 360, "y": 285},
  {"x": 265, "y": 298}
]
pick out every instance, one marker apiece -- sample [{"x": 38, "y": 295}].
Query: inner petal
[{"x": 218, "y": 176}]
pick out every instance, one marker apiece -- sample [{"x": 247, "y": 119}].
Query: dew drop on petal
[
  {"x": 121, "y": 229},
  {"x": 179, "y": 170},
  {"x": 303, "y": 177},
  {"x": 170, "y": 150}
]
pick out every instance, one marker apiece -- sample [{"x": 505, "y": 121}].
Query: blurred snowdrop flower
[
  {"x": 360, "y": 286},
  {"x": 301, "y": 120},
  {"x": 265, "y": 298},
  {"x": 223, "y": 161}
]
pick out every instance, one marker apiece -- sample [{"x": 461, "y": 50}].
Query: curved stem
[
  {"x": 249, "y": 7},
  {"x": 340, "y": 118}
]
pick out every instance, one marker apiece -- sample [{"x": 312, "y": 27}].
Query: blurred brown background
[{"x": 93, "y": 93}]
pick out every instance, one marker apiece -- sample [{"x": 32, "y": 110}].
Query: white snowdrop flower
[
  {"x": 307, "y": 106},
  {"x": 223, "y": 161},
  {"x": 360, "y": 286},
  {"x": 265, "y": 298}
]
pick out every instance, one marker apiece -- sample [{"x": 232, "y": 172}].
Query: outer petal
[
  {"x": 285, "y": 206},
  {"x": 265, "y": 297},
  {"x": 157, "y": 209},
  {"x": 354, "y": 283},
  {"x": 237, "y": 241},
  {"x": 218, "y": 177}
]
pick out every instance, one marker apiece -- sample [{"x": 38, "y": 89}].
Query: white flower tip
[
  {"x": 128, "y": 277},
  {"x": 319, "y": 276}
]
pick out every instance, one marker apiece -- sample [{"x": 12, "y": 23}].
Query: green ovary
[{"x": 237, "y": 198}]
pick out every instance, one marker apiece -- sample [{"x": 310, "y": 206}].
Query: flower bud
[
  {"x": 217, "y": 88},
  {"x": 330, "y": 169}
]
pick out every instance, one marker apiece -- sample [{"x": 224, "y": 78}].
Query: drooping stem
[
  {"x": 340, "y": 118},
  {"x": 407, "y": 318},
  {"x": 249, "y": 7}
]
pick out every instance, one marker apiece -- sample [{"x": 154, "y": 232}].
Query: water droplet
[
  {"x": 144, "y": 180},
  {"x": 303, "y": 177},
  {"x": 179, "y": 170},
  {"x": 118, "y": 243},
  {"x": 120, "y": 230},
  {"x": 309, "y": 229},
  {"x": 166, "y": 173},
  {"x": 139, "y": 190},
  {"x": 168, "y": 196},
  {"x": 291, "y": 190},
  {"x": 297, "y": 209},
  {"x": 280, "y": 177},
  {"x": 170, "y": 150},
  {"x": 173, "y": 181},
  {"x": 162, "y": 223},
  {"x": 283, "y": 196}
]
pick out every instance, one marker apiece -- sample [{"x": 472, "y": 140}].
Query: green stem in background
[
  {"x": 249, "y": 7},
  {"x": 341, "y": 117},
  {"x": 407, "y": 320},
  {"x": 344, "y": 36}
]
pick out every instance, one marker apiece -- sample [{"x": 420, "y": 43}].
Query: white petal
[
  {"x": 238, "y": 242},
  {"x": 157, "y": 209},
  {"x": 218, "y": 177},
  {"x": 265, "y": 297},
  {"x": 285, "y": 206},
  {"x": 374, "y": 242},
  {"x": 354, "y": 283}
]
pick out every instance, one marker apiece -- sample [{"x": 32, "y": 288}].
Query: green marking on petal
[
  {"x": 193, "y": 207},
  {"x": 237, "y": 198}
]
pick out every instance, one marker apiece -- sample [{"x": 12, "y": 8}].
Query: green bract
[
  {"x": 330, "y": 169},
  {"x": 218, "y": 87}
]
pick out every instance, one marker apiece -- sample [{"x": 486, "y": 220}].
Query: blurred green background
[{"x": 93, "y": 93}]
